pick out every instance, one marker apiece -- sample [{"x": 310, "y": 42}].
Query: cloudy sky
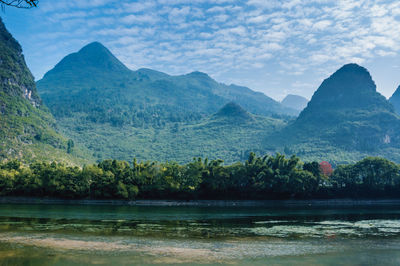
[{"x": 277, "y": 47}]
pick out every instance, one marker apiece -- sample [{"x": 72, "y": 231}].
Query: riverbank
[
  {"x": 206, "y": 203},
  {"x": 66, "y": 234}
]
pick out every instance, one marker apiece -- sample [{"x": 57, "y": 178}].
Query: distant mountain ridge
[
  {"x": 119, "y": 113},
  {"x": 295, "y": 102},
  {"x": 346, "y": 115},
  {"x": 94, "y": 67}
]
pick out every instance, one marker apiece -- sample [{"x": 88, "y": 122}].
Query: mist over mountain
[{"x": 295, "y": 102}]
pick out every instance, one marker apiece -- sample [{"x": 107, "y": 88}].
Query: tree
[
  {"x": 377, "y": 174},
  {"x": 19, "y": 3},
  {"x": 326, "y": 168},
  {"x": 70, "y": 146}
]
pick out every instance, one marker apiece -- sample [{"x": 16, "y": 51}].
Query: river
[{"x": 72, "y": 234}]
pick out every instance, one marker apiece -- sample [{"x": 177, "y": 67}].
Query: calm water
[{"x": 124, "y": 235}]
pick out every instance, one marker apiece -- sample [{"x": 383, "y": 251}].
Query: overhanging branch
[{"x": 19, "y": 3}]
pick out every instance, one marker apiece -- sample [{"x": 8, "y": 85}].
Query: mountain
[
  {"x": 234, "y": 112},
  {"x": 225, "y": 134},
  {"x": 93, "y": 81},
  {"x": 295, "y": 102},
  {"x": 395, "y": 100},
  {"x": 345, "y": 115},
  {"x": 118, "y": 113},
  {"x": 27, "y": 129}
]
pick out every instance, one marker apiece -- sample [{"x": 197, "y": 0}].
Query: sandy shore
[{"x": 205, "y": 203}]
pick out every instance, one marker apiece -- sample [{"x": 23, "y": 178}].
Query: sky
[{"x": 276, "y": 47}]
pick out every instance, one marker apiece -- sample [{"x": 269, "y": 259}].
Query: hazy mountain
[
  {"x": 26, "y": 126},
  {"x": 346, "y": 113},
  {"x": 295, "y": 102},
  {"x": 395, "y": 100}
]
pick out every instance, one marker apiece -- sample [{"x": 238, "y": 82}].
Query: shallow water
[{"x": 123, "y": 235}]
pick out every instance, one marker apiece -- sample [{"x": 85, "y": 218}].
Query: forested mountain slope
[
  {"x": 94, "y": 82},
  {"x": 27, "y": 129},
  {"x": 119, "y": 113},
  {"x": 228, "y": 134},
  {"x": 345, "y": 115}
]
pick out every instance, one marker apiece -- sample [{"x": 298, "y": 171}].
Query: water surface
[{"x": 35, "y": 234}]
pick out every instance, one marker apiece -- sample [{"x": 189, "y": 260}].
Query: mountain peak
[
  {"x": 348, "y": 112},
  {"x": 199, "y": 74},
  {"x": 349, "y": 87},
  {"x": 295, "y": 101},
  {"x": 92, "y": 57},
  {"x": 352, "y": 77},
  {"x": 352, "y": 74},
  {"x": 233, "y": 110},
  {"x": 97, "y": 54},
  {"x": 93, "y": 46},
  {"x": 353, "y": 67}
]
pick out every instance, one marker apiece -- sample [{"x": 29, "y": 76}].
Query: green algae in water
[{"x": 123, "y": 235}]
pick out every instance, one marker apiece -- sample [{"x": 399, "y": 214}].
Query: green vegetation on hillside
[
  {"x": 346, "y": 116},
  {"x": 108, "y": 111},
  {"x": 95, "y": 83},
  {"x": 116, "y": 113},
  {"x": 27, "y": 129},
  {"x": 229, "y": 134},
  {"x": 268, "y": 177}
]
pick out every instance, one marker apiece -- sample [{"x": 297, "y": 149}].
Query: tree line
[{"x": 267, "y": 177}]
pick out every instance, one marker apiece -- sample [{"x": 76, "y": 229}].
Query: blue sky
[{"x": 276, "y": 47}]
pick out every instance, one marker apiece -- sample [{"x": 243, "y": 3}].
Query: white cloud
[
  {"x": 322, "y": 25},
  {"x": 135, "y": 19},
  {"x": 222, "y": 36}
]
